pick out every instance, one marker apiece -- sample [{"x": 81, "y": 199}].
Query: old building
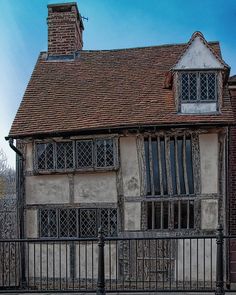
[{"x": 133, "y": 140}]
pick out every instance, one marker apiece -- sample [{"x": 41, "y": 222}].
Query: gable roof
[
  {"x": 199, "y": 54},
  {"x": 103, "y": 90}
]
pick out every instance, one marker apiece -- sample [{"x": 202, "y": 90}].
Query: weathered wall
[
  {"x": 95, "y": 187},
  {"x": 47, "y": 189},
  {"x": 129, "y": 166},
  {"x": 209, "y": 162},
  {"x": 132, "y": 215},
  {"x": 202, "y": 254}
]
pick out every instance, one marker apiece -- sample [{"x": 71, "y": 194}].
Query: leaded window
[
  {"x": 75, "y": 222},
  {"x": 76, "y": 154},
  {"x": 65, "y": 155},
  {"x": 198, "y": 86},
  {"x": 45, "y": 152}
]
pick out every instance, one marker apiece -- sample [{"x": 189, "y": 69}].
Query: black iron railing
[{"x": 112, "y": 265}]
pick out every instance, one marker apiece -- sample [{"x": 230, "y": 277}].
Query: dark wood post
[
  {"x": 219, "y": 261},
  {"x": 101, "y": 267}
]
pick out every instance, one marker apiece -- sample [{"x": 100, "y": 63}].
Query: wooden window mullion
[
  {"x": 177, "y": 166},
  {"x": 184, "y": 165},
  {"x": 151, "y": 164},
  {"x": 160, "y": 166}
]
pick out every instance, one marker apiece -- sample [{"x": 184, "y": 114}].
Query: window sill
[
  {"x": 199, "y": 108},
  {"x": 73, "y": 171}
]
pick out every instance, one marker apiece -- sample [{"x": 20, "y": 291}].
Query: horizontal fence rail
[{"x": 110, "y": 265}]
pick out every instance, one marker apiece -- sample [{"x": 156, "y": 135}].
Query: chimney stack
[{"x": 65, "y": 28}]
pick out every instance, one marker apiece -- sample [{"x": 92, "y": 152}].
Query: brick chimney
[{"x": 65, "y": 28}]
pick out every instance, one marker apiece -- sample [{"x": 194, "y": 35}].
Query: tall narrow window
[{"x": 180, "y": 167}]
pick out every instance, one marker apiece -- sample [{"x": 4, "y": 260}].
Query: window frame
[
  {"x": 93, "y": 167},
  {"x": 99, "y": 220},
  {"x": 170, "y": 197},
  {"x": 198, "y": 86}
]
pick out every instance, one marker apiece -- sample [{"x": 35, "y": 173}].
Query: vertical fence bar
[
  {"x": 101, "y": 268},
  {"x": 219, "y": 262}
]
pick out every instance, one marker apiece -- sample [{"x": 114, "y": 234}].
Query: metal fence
[{"x": 112, "y": 265}]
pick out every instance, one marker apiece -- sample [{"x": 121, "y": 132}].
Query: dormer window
[{"x": 198, "y": 87}]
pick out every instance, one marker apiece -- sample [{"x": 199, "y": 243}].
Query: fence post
[
  {"x": 219, "y": 261},
  {"x": 101, "y": 268}
]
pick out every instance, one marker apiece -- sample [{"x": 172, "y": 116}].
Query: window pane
[
  {"x": 157, "y": 217},
  {"x": 184, "y": 214},
  {"x": 88, "y": 223},
  {"x": 155, "y": 161},
  {"x": 147, "y": 160},
  {"x": 173, "y": 165},
  {"x": 203, "y": 86},
  {"x": 184, "y": 87},
  {"x": 189, "y": 165},
  {"x": 45, "y": 156},
  {"x": 176, "y": 215},
  {"x": 212, "y": 86},
  {"x": 109, "y": 221},
  {"x": 191, "y": 214},
  {"x": 84, "y": 150},
  {"x": 149, "y": 215},
  {"x": 68, "y": 223},
  {"x": 181, "y": 167},
  {"x": 105, "y": 153},
  {"x": 193, "y": 86},
  {"x": 165, "y": 215},
  {"x": 163, "y": 166},
  {"x": 48, "y": 223},
  {"x": 65, "y": 155}
]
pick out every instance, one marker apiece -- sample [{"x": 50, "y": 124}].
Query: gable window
[
  {"x": 198, "y": 87},
  {"x": 91, "y": 154},
  {"x": 71, "y": 222}
]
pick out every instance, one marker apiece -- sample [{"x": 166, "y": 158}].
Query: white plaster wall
[
  {"x": 191, "y": 250},
  {"x": 129, "y": 166},
  {"x": 95, "y": 187},
  {"x": 132, "y": 215},
  {"x": 47, "y": 189},
  {"x": 31, "y": 224},
  {"x": 209, "y": 162},
  {"x": 198, "y": 56},
  {"x": 48, "y": 259},
  {"x": 209, "y": 214},
  {"x": 87, "y": 260},
  {"x": 29, "y": 157}
]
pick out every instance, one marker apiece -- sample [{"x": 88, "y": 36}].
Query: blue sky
[{"x": 111, "y": 24}]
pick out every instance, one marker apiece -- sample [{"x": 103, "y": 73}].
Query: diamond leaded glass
[
  {"x": 104, "y": 153},
  {"x": 48, "y": 223},
  {"x": 211, "y": 86},
  {"x": 65, "y": 156},
  {"x": 199, "y": 86},
  {"x": 45, "y": 156},
  {"x": 109, "y": 221},
  {"x": 84, "y": 149},
  {"x": 88, "y": 223},
  {"x": 68, "y": 222},
  {"x": 72, "y": 222}
]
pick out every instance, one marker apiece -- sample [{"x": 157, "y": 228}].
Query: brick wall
[{"x": 65, "y": 29}]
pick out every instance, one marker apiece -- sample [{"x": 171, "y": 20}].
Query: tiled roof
[{"x": 106, "y": 89}]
